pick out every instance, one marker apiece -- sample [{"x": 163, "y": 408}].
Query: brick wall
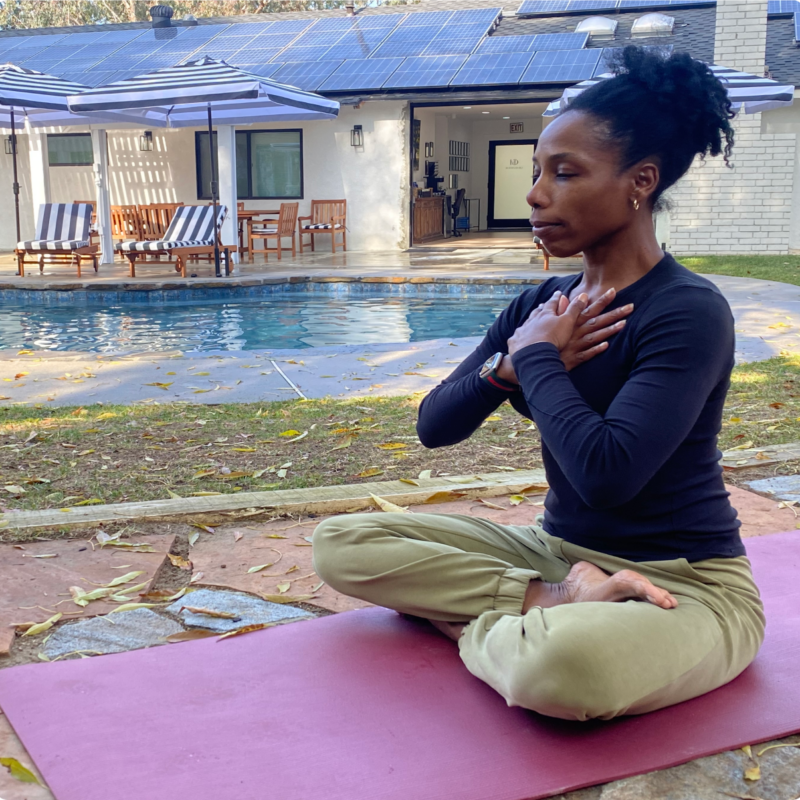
[{"x": 746, "y": 209}]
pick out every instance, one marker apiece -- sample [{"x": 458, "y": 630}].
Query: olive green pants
[{"x": 577, "y": 661}]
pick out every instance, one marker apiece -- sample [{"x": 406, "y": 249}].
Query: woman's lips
[{"x": 544, "y": 228}]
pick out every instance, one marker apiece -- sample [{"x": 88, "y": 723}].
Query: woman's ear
[{"x": 645, "y": 177}]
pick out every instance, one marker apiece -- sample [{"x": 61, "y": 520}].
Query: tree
[{"x": 20, "y": 14}]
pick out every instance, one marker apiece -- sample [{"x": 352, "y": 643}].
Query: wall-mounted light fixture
[
  {"x": 357, "y": 136},
  {"x": 9, "y": 146},
  {"x": 146, "y": 141}
]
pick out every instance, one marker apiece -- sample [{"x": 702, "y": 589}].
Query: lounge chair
[
  {"x": 62, "y": 234},
  {"x": 191, "y": 233},
  {"x": 326, "y": 216}
]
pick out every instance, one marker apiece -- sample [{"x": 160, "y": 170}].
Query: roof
[{"x": 361, "y": 60}]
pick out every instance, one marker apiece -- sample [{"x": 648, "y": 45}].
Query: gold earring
[{"x": 635, "y": 204}]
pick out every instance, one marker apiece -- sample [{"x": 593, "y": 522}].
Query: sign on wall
[{"x": 516, "y": 127}]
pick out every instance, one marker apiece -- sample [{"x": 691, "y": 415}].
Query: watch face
[{"x": 491, "y": 364}]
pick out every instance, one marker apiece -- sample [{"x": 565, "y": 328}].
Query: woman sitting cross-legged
[{"x": 633, "y": 591}]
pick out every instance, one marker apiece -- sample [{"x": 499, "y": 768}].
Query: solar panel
[
  {"x": 405, "y": 46},
  {"x": 561, "y": 41},
  {"x": 475, "y": 15},
  {"x": 361, "y": 74},
  {"x": 557, "y": 66},
  {"x": 291, "y": 25},
  {"x": 797, "y": 27},
  {"x": 426, "y": 19},
  {"x": 542, "y": 7},
  {"x": 295, "y": 54},
  {"x": 305, "y": 75},
  {"x": 607, "y": 53},
  {"x": 249, "y": 55},
  {"x": 341, "y": 24},
  {"x": 351, "y": 49},
  {"x": 121, "y": 36},
  {"x": 509, "y": 44},
  {"x": 379, "y": 22},
  {"x": 262, "y": 70},
  {"x": 492, "y": 68},
  {"x": 451, "y": 46},
  {"x": 205, "y": 32},
  {"x": 632, "y": 4},
  {"x": 783, "y": 7},
  {"x": 425, "y": 71},
  {"x": 244, "y": 28},
  {"x": 78, "y": 39},
  {"x": 273, "y": 40},
  {"x": 591, "y": 5}
]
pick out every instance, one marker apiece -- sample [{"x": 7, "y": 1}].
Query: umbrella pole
[
  {"x": 213, "y": 193},
  {"x": 16, "y": 181}
]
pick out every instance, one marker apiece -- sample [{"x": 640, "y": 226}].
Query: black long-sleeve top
[{"x": 629, "y": 438}]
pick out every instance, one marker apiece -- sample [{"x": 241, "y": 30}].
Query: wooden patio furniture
[
  {"x": 282, "y": 228},
  {"x": 156, "y": 219},
  {"x": 191, "y": 233},
  {"x": 126, "y": 223},
  {"x": 62, "y": 234},
  {"x": 327, "y": 216}
]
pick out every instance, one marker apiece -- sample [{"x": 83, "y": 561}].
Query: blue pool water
[{"x": 285, "y": 320}]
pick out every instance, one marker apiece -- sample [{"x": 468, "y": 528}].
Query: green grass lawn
[
  {"x": 50, "y": 458},
  {"x": 766, "y": 268}
]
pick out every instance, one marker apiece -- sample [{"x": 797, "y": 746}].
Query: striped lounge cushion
[
  {"x": 149, "y": 247},
  {"x": 53, "y": 244},
  {"x": 61, "y": 226},
  {"x": 320, "y": 226},
  {"x": 192, "y": 226}
]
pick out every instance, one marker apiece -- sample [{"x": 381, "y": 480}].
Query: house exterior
[{"x": 407, "y": 98}]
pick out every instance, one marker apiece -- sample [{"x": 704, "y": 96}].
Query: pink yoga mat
[{"x": 367, "y": 706}]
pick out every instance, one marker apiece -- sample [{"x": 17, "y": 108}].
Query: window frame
[
  {"x": 74, "y": 163},
  {"x": 199, "y": 142}
]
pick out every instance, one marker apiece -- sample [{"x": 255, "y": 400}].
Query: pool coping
[{"x": 234, "y": 282}]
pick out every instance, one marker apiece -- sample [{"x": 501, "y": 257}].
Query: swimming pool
[{"x": 282, "y": 319}]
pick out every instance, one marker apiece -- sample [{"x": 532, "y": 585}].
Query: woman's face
[{"x": 579, "y": 197}]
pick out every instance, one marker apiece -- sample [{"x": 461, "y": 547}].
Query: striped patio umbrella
[
  {"x": 749, "y": 94},
  {"x": 185, "y": 96}
]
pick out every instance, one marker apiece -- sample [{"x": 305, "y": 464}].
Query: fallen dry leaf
[
  {"x": 210, "y": 612},
  {"x": 489, "y": 504},
  {"x": 283, "y": 587},
  {"x": 18, "y": 771},
  {"x": 370, "y": 473},
  {"x": 179, "y": 561},
  {"x": 444, "y": 497},
  {"x": 283, "y": 599},
  {"x": 198, "y": 576},
  {"x": 247, "y": 629},
  {"x": 41, "y": 628},
  {"x": 189, "y": 636},
  {"x": 388, "y": 506}
]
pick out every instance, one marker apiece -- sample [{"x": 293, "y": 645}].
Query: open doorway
[
  {"x": 510, "y": 180},
  {"x": 458, "y": 147}
]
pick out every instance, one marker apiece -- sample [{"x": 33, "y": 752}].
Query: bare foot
[{"x": 587, "y": 583}]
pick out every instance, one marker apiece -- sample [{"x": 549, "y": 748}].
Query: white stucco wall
[
  {"x": 7, "y": 227},
  {"x": 373, "y": 179}
]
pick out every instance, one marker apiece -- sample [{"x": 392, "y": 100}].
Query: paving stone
[
  {"x": 113, "y": 633},
  {"x": 34, "y": 589},
  {"x": 224, "y": 561},
  {"x": 11, "y": 788},
  {"x": 782, "y": 487},
  {"x": 249, "y": 610}
]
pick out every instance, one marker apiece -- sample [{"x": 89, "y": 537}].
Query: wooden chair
[
  {"x": 62, "y": 234},
  {"x": 283, "y": 228},
  {"x": 126, "y": 223},
  {"x": 156, "y": 218},
  {"x": 327, "y": 216},
  {"x": 191, "y": 233}
]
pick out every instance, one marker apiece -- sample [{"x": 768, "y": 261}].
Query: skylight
[
  {"x": 597, "y": 27},
  {"x": 653, "y": 25}
]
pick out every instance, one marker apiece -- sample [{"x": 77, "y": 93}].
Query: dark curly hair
[{"x": 671, "y": 107}]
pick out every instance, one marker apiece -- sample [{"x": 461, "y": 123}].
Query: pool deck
[
  {"x": 430, "y": 265},
  {"x": 767, "y": 316}
]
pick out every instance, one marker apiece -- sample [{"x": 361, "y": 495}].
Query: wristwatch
[{"x": 489, "y": 374}]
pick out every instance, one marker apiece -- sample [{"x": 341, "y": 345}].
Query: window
[
  {"x": 69, "y": 149},
  {"x": 269, "y": 165}
]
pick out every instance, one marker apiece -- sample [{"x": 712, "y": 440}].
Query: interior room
[{"x": 471, "y": 170}]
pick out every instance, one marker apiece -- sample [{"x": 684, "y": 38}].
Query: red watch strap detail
[{"x": 498, "y": 385}]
